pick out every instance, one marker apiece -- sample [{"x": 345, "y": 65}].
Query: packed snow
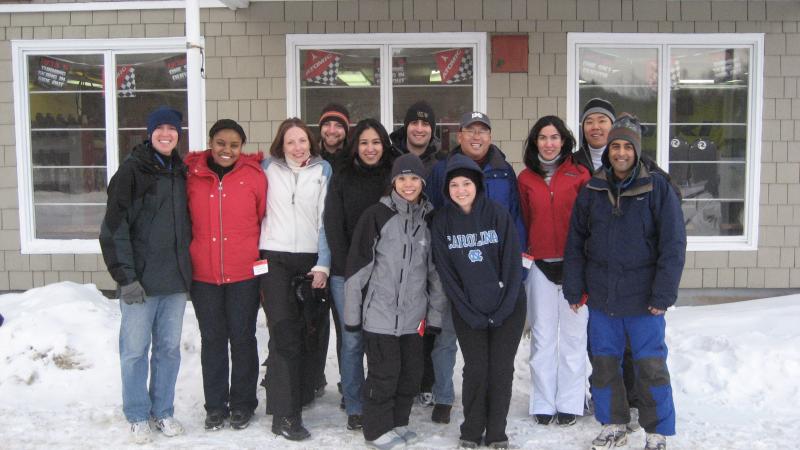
[{"x": 735, "y": 370}]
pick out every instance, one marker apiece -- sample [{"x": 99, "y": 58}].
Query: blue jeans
[
  {"x": 158, "y": 320},
  {"x": 352, "y": 363},
  {"x": 444, "y": 360}
]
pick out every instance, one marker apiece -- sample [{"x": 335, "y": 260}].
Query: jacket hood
[{"x": 458, "y": 162}]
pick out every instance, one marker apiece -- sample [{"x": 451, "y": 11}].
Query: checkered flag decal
[
  {"x": 321, "y": 67},
  {"x": 455, "y": 65},
  {"x": 126, "y": 82}
]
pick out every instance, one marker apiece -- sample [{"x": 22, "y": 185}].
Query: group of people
[{"x": 421, "y": 252}]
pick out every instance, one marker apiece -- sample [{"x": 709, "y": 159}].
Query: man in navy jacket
[{"x": 624, "y": 258}]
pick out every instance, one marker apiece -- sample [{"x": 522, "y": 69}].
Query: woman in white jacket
[{"x": 293, "y": 243}]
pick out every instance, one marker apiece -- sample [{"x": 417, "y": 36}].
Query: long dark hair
[
  {"x": 364, "y": 124},
  {"x": 276, "y": 149},
  {"x": 531, "y": 155}
]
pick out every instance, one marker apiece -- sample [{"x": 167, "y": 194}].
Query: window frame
[
  {"x": 748, "y": 241},
  {"x": 385, "y": 42},
  {"x": 109, "y": 48}
]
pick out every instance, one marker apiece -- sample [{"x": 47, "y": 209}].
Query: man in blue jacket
[
  {"x": 500, "y": 182},
  {"x": 624, "y": 258}
]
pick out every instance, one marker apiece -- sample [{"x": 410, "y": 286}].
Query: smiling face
[
  {"x": 333, "y": 134},
  {"x": 475, "y": 140},
  {"x": 226, "y": 146},
  {"x": 370, "y": 147},
  {"x": 296, "y": 145},
  {"x": 622, "y": 157},
  {"x": 418, "y": 136},
  {"x": 462, "y": 191},
  {"x": 409, "y": 187},
  {"x": 549, "y": 143},
  {"x": 164, "y": 139},
  {"x": 595, "y": 129}
]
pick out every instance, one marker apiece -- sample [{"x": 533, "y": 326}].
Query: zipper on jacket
[{"x": 221, "y": 246}]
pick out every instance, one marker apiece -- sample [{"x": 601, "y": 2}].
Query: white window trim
[
  {"x": 20, "y": 49},
  {"x": 383, "y": 42},
  {"x": 755, "y": 42}
]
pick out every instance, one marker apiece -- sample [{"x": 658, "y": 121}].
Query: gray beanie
[{"x": 408, "y": 164}]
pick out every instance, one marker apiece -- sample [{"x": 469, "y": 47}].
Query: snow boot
[
  {"x": 612, "y": 435},
  {"x": 290, "y": 427}
]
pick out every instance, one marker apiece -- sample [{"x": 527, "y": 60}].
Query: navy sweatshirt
[{"x": 478, "y": 256}]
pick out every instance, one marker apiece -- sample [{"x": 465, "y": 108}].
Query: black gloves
[{"x": 132, "y": 293}]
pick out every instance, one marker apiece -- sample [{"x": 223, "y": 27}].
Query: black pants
[
  {"x": 228, "y": 313},
  {"x": 291, "y": 378},
  {"x": 488, "y": 374},
  {"x": 394, "y": 370},
  {"x": 428, "y": 375}
]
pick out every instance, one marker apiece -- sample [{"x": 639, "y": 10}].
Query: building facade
[{"x": 715, "y": 82}]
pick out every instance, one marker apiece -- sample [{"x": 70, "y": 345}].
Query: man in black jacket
[{"x": 145, "y": 238}]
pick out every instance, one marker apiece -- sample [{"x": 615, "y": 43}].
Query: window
[
  {"x": 699, "y": 100},
  {"x": 381, "y": 75},
  {"x": 80, "y": 107}
]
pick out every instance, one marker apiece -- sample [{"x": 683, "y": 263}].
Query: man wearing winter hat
[
  {"x": 596, "y": 121},
  {"x": 417, "y": 135},
  {"x": 334, "y": 123},
  {"x": 624, "y": 257},
  {"x": 145, "y": 238},
  {"x": 475, "y": 141}
]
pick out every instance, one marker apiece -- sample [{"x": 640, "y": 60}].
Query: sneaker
[
  {"x": 290, "y": 427},
  {"x": 354, "y": 422},
  {"x": 565, "y": 419},
  {"x": 425, "y": 399},
  {"x": 140, "y": 432},
  {"x": 612, "y": 435},
  {"x": 543, "y": 419},
  {"x": 387, "y": 441},
  {"x": 407, "y": 435},
  {"x": 240, "y": 418},
  {"x": 169, "y": 426},
  {"x": 466, "y": 443},
  {"x": 441, "y": 413},
  {"x": 633, "y": 426},
  {"x": 656, "y": 441},
  {"x": 498, "y": 444},
  {"x": 215, "y": 420}
]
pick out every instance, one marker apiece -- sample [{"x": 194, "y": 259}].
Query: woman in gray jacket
[{"x": 390, "y": 256}]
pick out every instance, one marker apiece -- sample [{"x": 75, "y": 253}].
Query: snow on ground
[{"x": 734, "y": 371}]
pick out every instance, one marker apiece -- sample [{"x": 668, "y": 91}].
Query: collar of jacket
[
  {"x": 197, "y": 162},
  {"x": 144, "y": 154},
  {"x": 496, "y": 160},
  {"x": 397, "y": 203},
  {"x": 642, "y": 184}
]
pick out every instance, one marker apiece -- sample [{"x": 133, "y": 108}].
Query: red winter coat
[
  {"x": 226, "y": 217},
  {"x": 546, "y": 209}
]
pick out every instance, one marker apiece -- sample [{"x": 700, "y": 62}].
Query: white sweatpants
[{"x": 558, "y": 348}]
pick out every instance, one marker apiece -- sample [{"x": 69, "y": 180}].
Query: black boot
[
  {"x": 240, "y": 419},
  {"x": 441, "y": 413},
  {"x": 215, "y": 420},
  {"x": 290, "y": 427}
]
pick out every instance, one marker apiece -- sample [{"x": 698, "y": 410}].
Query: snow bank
[{"x": 734, "y": 371}]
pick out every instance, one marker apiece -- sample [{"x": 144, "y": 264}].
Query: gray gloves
[{"x": 132, "y": 293}]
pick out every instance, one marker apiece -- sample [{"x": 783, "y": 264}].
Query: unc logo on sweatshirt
[{"x": 475, "y": 255}]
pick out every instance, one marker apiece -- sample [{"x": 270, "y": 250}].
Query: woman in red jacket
[
  {"x": 227, "y": 199},
  {"x": 548, "y": 187}
]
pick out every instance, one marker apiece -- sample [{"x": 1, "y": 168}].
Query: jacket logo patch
[{"x": 475, "y": 255}]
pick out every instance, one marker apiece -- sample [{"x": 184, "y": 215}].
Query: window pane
[
  {"x": 628, "y": 78},
  {"x": 68, "y": 148},
  {"x": 68, "y": 222},
  {"x": 141, "y": 72},
  {"x": 68, "y": 202},
  {"x": 345, "y": 76},
  {"x": 708, "y": 136},
  {"x": 441, "y": 76}
]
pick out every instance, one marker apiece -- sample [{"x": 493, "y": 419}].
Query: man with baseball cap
[
  {"x": 334, "y": 123},
  {"x": 475, "y": 141},
  {"x": 624, "y": 258},
  {"x": 417, "y": 135}
]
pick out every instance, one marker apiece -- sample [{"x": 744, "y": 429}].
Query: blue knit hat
[{"x": 164, "y": 115}]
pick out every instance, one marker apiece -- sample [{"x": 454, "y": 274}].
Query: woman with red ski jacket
[
  {"x": 548, "y": 188},
  {"x": 227, "y": 192}
]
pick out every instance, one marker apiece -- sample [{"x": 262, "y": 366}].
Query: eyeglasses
[{"x": 469, "y": 132}]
